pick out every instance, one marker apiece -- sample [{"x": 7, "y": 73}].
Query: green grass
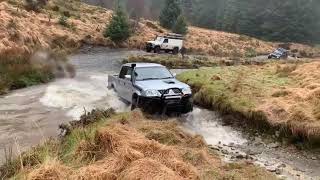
[
  {"x": 190, "y": 62},
  {"x": 238, "y": 87},
  {"x": 17, "y": 72},
  {"x": 236, "y": 90}
]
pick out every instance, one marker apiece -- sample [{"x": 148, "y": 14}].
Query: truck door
[
  {"x": 165, "y": 44},
  {"x": 125, "y": 85}
]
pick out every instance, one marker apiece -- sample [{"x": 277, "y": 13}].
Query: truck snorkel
[{"x": 133, "y": 66}]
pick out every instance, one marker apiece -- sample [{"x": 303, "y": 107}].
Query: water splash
[
  {"x": 82, "y": 94},
  {"x": 208, "y": 124}
]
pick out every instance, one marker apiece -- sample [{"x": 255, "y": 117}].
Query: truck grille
[{"x": 175, "y": 90}]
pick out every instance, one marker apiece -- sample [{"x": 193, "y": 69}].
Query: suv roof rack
[{"x": 174, "y": 36}]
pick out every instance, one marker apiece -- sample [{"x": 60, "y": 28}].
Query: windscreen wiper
[
  {"x": 167, "y": 78},
  {"x": 145, "y": 79}
]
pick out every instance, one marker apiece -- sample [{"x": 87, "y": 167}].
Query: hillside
[{"x": 23, "y": 31}]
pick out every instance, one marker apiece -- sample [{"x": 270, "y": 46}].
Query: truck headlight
[
  {"x": 186, "y": 91},
  {"x": 152, "y": 93}
]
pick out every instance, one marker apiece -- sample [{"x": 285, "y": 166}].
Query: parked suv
[
  {"x": 169, "y": 43},
  {"x": 151, "y": 86},
  {"x": 279, "y": 53}
]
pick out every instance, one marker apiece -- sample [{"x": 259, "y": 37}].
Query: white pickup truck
[{"x": 151, "y": 86}]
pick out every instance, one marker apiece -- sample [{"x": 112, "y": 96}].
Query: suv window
[
  {"x": 166, "y": 41},
  {"x": 125, "y": 71}
]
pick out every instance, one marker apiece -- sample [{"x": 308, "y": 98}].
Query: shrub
[
  {"x": 170, "y": 14},
  {"x": 119, "y": 27},
  {"x": 55, "y": 8},
  {"x": 250, "y": 52},
  {"x": 66, "y": 13},
  {"x": 63, "y": 20},
  {"x": 180, "y": 26}
]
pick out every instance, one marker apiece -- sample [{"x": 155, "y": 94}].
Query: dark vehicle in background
[{"x": 279, "y": 53}]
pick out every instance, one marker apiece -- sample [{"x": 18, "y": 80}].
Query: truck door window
[
  {"x": 125, "y": 71},
  {"x": 166, "y": 41}
]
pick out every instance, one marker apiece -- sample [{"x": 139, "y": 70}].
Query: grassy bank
[
  {"x": 191, "y": 61},
  {"x": 105, "y": 145},
  {"x": 272, "y": 97},
  {"x": 197, "y": 61},
  {"x": 17, "y": 72}
]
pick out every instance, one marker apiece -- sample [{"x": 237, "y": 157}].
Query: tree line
[{"x": 285, "y": 20}]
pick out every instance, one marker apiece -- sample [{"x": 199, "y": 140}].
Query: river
[{"x": 31, "y": 115}]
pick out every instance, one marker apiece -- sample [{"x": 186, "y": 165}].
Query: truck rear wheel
[{"x": 175, "y": 51}]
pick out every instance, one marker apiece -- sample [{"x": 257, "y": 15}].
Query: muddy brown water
[{"x": 31, "y": 115}]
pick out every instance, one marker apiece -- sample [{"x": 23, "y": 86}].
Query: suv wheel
[
  {"x": 148, "y": 49},
  {"x": 134, "y": 103},
  {"x": 188, "y": 107},
  {"x": 175, "y": 51},
  {"x": 157, "y": 49}
]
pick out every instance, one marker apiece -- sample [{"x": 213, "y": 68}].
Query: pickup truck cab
[{"x": 149, "y": 85}]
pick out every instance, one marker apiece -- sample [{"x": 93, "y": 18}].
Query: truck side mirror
[{"x": 127, "y": 77}]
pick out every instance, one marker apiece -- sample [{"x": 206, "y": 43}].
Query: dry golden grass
[
  {"x": 301, "y": 102},
  {"x": 275, "y": 95},
  {"x": 126, "y": 151},
  {"x": 51, "y": 169},
  {"x": 24, "y": 31}
]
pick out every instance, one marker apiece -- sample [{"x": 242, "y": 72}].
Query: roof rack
[{"x": 174, "y": 36}]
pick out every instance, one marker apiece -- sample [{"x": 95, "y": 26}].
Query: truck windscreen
[{"x": 152, "y": 73}]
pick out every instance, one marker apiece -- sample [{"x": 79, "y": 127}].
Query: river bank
[
  {"x": 123, "y": 145},
  {"x": 273, "y": 97}
]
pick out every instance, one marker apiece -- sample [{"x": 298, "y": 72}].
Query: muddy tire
[
  {"x": 175, "y": 51},
  {"x": 134, "y": 104},
  {"x": 188, "y": 107},
  {"x": 157, "y": 49},
  {"x": 148, "y": 49}
]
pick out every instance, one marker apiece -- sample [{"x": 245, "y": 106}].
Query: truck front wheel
[
  {"x": 148, "y": 49},
  {"x": 157, "y": 49},
  {"x": 134, "y": 103},
  {"x": 188, "y": 107}
]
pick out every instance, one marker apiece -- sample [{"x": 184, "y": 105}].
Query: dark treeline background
[{"x": 280, "y": 20}]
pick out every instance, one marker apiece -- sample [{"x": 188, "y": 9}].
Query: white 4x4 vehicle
[
  {"x": 169, "y": 43},
  {"x": 151, "y": 87}
]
